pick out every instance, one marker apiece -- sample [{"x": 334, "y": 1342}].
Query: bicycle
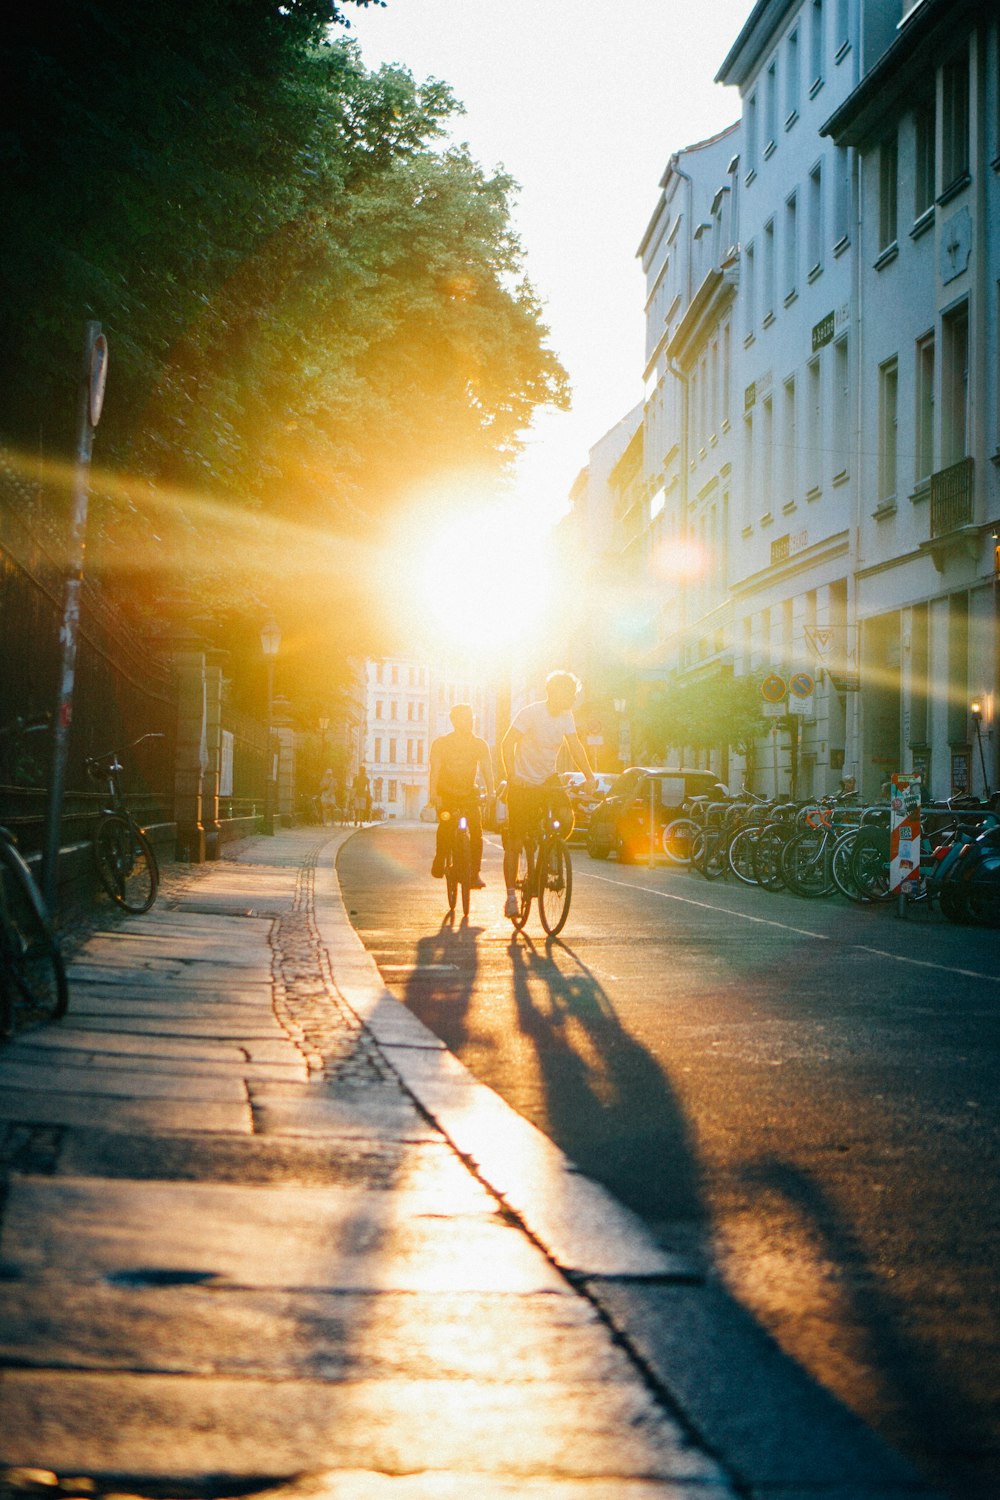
[
  {"x": 126, "y": 862},
  {"x": 458, "y": 862},
  {"x": 545, "y": 873},
  {"x": 33, "y": 983}
]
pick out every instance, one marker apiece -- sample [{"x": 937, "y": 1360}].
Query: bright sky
[{"x": 582, "y": 102}]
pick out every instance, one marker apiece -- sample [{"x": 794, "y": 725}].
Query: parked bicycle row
[{"x": 837, "y": 846}]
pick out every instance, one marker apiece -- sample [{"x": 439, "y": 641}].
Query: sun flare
[{"x": 478, "y": 581}]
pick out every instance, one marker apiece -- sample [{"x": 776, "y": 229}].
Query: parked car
[
  {"x": 620, "y": 824},
  {"x": 583, "y": 802}
]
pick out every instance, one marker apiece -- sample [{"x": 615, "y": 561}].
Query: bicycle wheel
[
  {"x": 708, "y": 854},
  {"x": 524, "y": 884},
  {"x": 741, "y": 855},
  {"x": 32, "y": 973},
  {"x": 555, "y": 885},
  {"x": 767, "y": 856},
  {"x": 805, "y": 863},
  {"x": 840, "y": 867},
  {"x": 870, "y": 864},
  {"x": 463, "y": 866},
  {"x": 126, "y": 864},
  {"x": 678, "y": 837},
  {"x": 451, "y": 882}
]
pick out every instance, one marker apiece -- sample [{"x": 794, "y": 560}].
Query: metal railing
[{"x": 952, "y": 497}]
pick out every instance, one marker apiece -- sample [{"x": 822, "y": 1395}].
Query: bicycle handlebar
[{"x": 110, "y": 755}]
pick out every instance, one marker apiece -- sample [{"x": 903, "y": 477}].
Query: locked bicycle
[
  {"x": 125, "y": 858},
  {"x": 33, "y": 984}
]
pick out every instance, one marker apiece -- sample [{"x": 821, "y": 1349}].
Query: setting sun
[{"x": 478, "y": 580}]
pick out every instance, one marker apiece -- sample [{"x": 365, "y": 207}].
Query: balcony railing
[{"x": 951, "y": 498}]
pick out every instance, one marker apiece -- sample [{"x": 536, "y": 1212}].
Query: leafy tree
[
  {"x": 312, "y": 310},
  {"x": 705, "y": 713}
]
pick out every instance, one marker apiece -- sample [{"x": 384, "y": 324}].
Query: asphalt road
[{"x": 805, "y": 1094}]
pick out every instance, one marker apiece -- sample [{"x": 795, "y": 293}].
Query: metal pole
[
  {"x": 982, "y": 760},
  {"x": 91, "y": 395},
  {"x": 269, "y": 767},
  {"x": 652, "y": 825}
]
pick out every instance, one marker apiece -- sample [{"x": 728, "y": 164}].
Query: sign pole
[{"x": 93, "y": 377}]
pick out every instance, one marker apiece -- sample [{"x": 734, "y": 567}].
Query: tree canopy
[
  {"x": 703, "y": 713},
  {"x": 312, "y": 307}
]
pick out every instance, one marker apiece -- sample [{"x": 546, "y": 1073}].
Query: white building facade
[
  {"x": 407, "y": 704},
  {"x": 813, "y": 491},
  {"x": 925, "y": 121}
]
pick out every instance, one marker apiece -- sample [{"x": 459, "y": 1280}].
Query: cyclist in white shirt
[{"x": 529, "y": 753}]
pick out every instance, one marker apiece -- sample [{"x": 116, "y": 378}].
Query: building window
[
  {"x": 377, "y": 789},
  {"x": 767, "y": 455},
  {"x": 925, "y": 407},
  {"x": 888, "y": 176},
  {"x": 955, "y": 385},
  {"x": 727, "y": 359},
  {"x": 815, "y": 226},
  {"x": 792, "y": 70},
  {"x": 378, "y": 749},
  {"x": 842, "y": 32},
  {"x": 955, "y": 123},
  {"x": 817, "y": 45},
  {"x": 420, "y": 752},
  {"x": 888, "y": 390},
  {"x": 841, "y": 196},
  {"x": 748, "y": 474},
  {"x": 841, "y": 405},
  {"x": 771, "y": 106},
  {"x": 769, "y": 271},
  {"x": 926, "y": 159},
  {"x": 378, "y": 708},
  {"x": 750, "y": 289},
  {"x": 392, "y": 752},
  {"x": 751, "y": 135},
  {"x": 791, "y": 245},
  {"x": 790, "y": 440},
  {"x": 395, "y": 675},
  {"x": 392, "y": 791},
  {"x": 814, "y": 426}
]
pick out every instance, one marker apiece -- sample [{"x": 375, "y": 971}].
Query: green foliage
[
  {"x": 310, "y": 307},
  {"x": 704, "y": 713}
]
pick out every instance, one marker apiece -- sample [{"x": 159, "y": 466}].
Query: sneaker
[
  {"x": 512, "y": 907},
  {"x": 477, "y": 884},
  {"x": 437, "y": 868}
]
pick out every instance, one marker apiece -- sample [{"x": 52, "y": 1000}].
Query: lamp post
[
  {"x": 270, "y": 642},
  {"x": 976, "y": 710}
]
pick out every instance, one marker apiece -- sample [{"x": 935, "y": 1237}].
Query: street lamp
[
  {"x": 270, "y": 643},
  {"x": 976, "y": 710},
  {"x": 624, "y": 747}
]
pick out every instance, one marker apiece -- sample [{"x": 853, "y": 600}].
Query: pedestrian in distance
[
  {"x": 328, "y": 798},
  {"x": 361, "y": 795},
  {"x": 530, "y": 753}
]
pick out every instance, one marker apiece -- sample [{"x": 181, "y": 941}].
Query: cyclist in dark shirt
[{"x": 456, "y": 760}]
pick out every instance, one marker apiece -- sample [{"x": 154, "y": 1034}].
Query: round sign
[
  {"x": 98, "y": 377},
  {"x": 801, "y": 685},
  {"x": 772, "y": 689}
]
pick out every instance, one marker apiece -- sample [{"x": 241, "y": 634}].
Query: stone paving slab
[
  {"x": 350, "y": 1112},
  {"x": 168, "y": 1425},
  {"x": 123, "y": 1114},
  {"x": 436, "y": 1484},
  {"x": 232, "y": 1064},
  {"x": 427, "y": 1165},
  {"x": 520, "y": 1338},
  {"x": 91, "y": 1229},
  {"x": 137, "y": 1083},
  {"x": 67, "y": 1041}
]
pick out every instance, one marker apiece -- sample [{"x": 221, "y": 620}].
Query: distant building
[{"x": 406, "y": 707}]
